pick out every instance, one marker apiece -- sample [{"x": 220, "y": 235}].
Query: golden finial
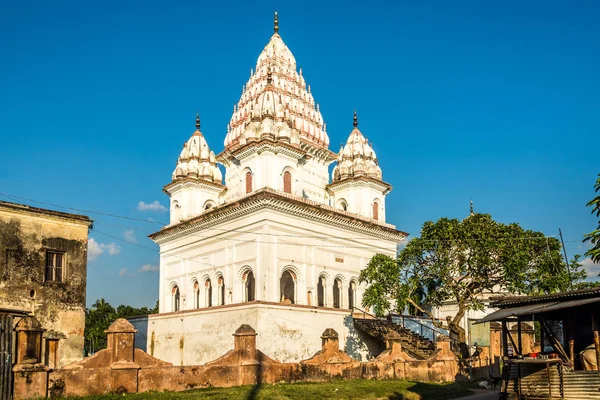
[
  {"x": 276, "y": 27},
  {"x": 355, "y": 119},
  {"x": 471, "y": 208},
  {"x": 197, "y": 121}
]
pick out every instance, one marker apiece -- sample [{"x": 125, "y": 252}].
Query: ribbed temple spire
[{"x": 276, "y": 23}]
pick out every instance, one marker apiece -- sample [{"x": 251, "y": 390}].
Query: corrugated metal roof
[
  {"x": 522, "y": 300},
  {"x": 535, "y": 309}
]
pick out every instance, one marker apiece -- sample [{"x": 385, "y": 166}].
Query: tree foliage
[
  {"x": 594, "y": 236},
  {"x": 99, "y": 317},
  {"x": 460, "y": 261}
]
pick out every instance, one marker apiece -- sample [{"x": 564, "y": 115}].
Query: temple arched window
[
  {"x": 321, "y": 292},
  {"x": 208, "y": 293},
  {"x": 287, "y": 287},
  {"x": 337, "y": 293},
  {"x": 249, "y": 286},
  {"x": 196, "y": 295},
  {"x": 375, "y": 210},
  {"x": 175, "y": 297},
  {"x": 221, "y": 291},
  {"x": 287, "y": 182},
  {"x": 248, "y": 182},
  {"x": 342, "y": 205},
  {"x": 352, "y": 295}
]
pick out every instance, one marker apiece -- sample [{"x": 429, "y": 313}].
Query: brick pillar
[
  {"x": 30, "y": 375},
  {"x": 120, "y": 338},
  {"x": 393, "y": 348},
  {"x": 330, "y": 341},
  {"x": 244, "y": 343},
  {"x": 244, "y": 347}
]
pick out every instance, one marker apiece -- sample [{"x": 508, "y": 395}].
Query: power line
[{"x": 233, "y": 230}]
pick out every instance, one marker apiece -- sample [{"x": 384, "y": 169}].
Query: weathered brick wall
[
  {"x": 25, "y": 235},
  {"x": 120, "y": 368}
]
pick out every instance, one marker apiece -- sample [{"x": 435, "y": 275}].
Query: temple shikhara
[{"x": 276, "y": 243}]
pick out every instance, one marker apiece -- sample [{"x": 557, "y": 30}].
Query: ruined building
[
  {"x": 43, "y": 264},
  {"x": 275, "y": 242}
]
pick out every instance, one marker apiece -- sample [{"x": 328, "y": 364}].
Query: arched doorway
[
  {"x": 352, "y": 295},
  {"x": 321, "y": 292},
  {"x": 287, "y": 285},
  {"x": 337, "y": 293},
  {"x": 175, "y": 298},
  {"x": 207, "y": 293},
  {"x": 249, "y": 286}
]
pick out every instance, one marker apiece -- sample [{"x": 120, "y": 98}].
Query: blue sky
[{"x": 491, "y": 101}]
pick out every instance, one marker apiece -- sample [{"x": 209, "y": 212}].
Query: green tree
[
  {"x": 594, "y": 236},
  {"x": 463, "y": 260},
  {"x": 99, "y": 317}
]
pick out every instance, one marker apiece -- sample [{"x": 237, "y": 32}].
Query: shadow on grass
[
  {"x": 428, "y": 391},
  {"x": 253, "y": 394}
]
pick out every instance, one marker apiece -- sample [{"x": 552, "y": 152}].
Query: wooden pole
[
  {"x": 504, "y": 339},
  {"x": 542, "y": 337},
  {"x": 596, "y": 339},
  {"x": 569, "y": 329},
  {"x": 519, "y": 338}
]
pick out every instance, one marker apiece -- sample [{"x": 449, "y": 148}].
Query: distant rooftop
[{"x": 36, "y": 210}]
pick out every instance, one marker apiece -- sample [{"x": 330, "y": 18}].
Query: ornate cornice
[
  {"x": 181, "y": 183},
  {"x": 268, "y": 198},
  {"x": 368, "y": 181},
  {"x": 262, "y": 145}
]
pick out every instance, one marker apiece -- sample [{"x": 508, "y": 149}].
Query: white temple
[{"x": 278, "y": 245}]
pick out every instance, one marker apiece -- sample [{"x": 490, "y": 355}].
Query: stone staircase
[{"x": 413, "y": 344}]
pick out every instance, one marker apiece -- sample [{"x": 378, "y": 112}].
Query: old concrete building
[
  {"x": 276, "y": 242},
  {"x": 43, "y": 265}
]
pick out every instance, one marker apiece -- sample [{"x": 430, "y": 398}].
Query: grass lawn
[{"x": 353, "y": 389}]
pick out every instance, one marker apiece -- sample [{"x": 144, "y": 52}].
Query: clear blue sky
[{"x": 492, "y": 101}]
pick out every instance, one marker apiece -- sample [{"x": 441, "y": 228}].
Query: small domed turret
[
  {"x": 357, "y": 157},
  {"x": 196, "y": 160}
]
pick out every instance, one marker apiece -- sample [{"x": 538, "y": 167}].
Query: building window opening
[
  {"x": 221, "y": 292},
  {"x": 287, "y": 287},
  {"x": 352, "y": 295},
  {"x": 196, "y": 295},
  {"x": 337, "y": 293},
  {"x": 208, "y": 293},
  {"x": 51, "y": 353},
  {"x": 249, "y": 286},
  {"x": 343, "y": 205},
  {"x": 287, "y": 182},
  {"x": 54, "y": 266},
  {"x": 175, "y": 297},
  {"x": 248, "y": 182},
  {"x": 376, "y": 211},
  {"x": 321, "y": 292},
  {"x": 309, "y": 298}
]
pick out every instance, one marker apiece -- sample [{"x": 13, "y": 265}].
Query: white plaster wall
[
  {"x": 285, "y": 333},
  {"x": 267, "y": 242},
  {"x": 359, "y": 199},
  {"x": 308, "y": 180},
  {"x": 191, "y": 201}
]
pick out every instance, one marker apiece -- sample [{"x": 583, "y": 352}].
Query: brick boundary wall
[{"x": 121, "y": 368}]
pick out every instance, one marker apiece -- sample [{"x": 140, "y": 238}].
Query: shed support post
[
  {"x": 504, "y": 340},
  {"x": 519, "y": 338},
  {"x": 596, "y": 339}
]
